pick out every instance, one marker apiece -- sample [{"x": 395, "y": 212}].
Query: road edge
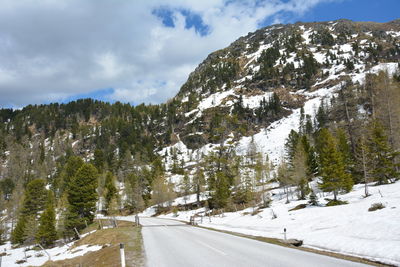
[{"x": 279, "y": 242}]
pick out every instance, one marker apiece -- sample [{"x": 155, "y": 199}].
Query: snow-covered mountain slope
[
  {"x": 271, "y": 139},
  {"x": 348, "y": 229},
  {"x": 301, "y": 63}
]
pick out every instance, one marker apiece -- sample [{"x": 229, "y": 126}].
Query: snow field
[{"x": 38, "y": 258}]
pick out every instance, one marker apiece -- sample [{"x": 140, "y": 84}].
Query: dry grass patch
[{"x": 109, "y": 255}]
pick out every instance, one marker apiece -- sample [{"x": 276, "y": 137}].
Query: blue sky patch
[
  {"x": 102, "y": 94},
  {"x": 166, "y": 15},
  {"x": 192, "y": 20}
]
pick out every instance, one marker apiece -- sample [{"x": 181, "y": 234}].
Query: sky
[{"x": 136, "y": 51}]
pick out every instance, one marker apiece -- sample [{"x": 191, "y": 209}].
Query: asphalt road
[{"x": 175, "y": 244}]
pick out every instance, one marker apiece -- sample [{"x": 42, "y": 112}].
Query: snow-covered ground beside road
[{"x": 38, "y": 257}]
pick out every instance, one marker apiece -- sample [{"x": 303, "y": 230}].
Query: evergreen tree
[
  {"x": 291, "y": 144},
  {"x": 313, "y": 199},
  {"x": 34, "y": 200},
  {"x": 82, "y": 197},
  {"x": 321, "y": 116},
  {"x": 381, "y": 155},
  {"x": 222, "y": 191},
  {"x": 3, "y": 234},
  {"x": 312, "y": 164},
  {"x": 110, "y": 192},
  {"x": 35, "y": 197},
  {"x": 299, "y": 170},
  {"x": 199, "y": 181},
  {"x": 47, "y": 234},
  {"x": 99, "y": 159},
  {"x": 18, "y": 234},
  {"x": 186, "y": 186},
  {"x": 345, "y": 149},
  {"x": 333, "y": 169},
  {"x": 134, "y": 191},
  {"x": 70, "y": 169},
  {"x": 7, "y": 186}
]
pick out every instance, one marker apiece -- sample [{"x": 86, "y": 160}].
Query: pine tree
[
  {"x": 333, "y": 172},
  {"x": 47, "y": 234},
  {"x": 322, "y": 116},
  {"x": 7, "y": 186},
  {"x": 70, "y": 169},
  {"x": 381, "y": 155},
  {"x": 99, "y": 159},
  {"x": 186, "y": 186},
  {"x": 34, "y": 201},
  {"x": 222, "y": 191},
  {"x": 313, "y": 199},
  {"x": 345, "y": 149},
  {"x": 110, "y": 189},
  {"x": 291, "y": 144},
  {"x": 3, "y": 234},
  {"x": 18, "y": 234},
  {"x": 134, "y": 190},
  {"x": 82, "y": 197},
  {"x": 299, "y": 170},
  {"x": 35, "y": 197},
  {"x": 312, "y": 164},
  {"x": 199, "y": 181}
]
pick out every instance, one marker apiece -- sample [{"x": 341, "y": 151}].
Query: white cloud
[
  {"x": 6, "y": 76},
  {"x": 109, "y": 66},
  {"x": 55, "y": 49}
]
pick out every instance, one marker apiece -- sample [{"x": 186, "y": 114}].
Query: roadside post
[
  {"x": 122, "y": 254},
  {"x": 284, "y": 233},
  {"x": 137, "y": 220},
  {"x": 77, "y": 233},
  {"x": 48, "y": 255}
]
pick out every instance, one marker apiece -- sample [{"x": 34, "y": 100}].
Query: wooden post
[
  {"x": 137, "y": 220},
  {"x": 48, "y": 255},
  {"x": 122, "y": 254},
  {"x": 77, "y": 233}
]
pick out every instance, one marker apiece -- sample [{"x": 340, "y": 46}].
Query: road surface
[{"x": 175, "y": 244}]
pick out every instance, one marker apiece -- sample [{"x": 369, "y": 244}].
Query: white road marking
[{"x": 215, "y": 249}]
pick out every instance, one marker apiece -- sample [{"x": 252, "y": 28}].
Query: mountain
[
  {"x": 283, "y": 59},
  {"x": 269, "y": 104}
]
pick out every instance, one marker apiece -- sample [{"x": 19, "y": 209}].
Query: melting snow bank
[
  {"x": 38, "y": 257},
  {"x": 347, "y": 229}
]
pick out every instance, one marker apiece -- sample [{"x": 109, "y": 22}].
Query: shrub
[
  {"x": 333, "y": 202},
  {"x": 376, "y": 206},
  {"x": 299, "y": 207}
]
